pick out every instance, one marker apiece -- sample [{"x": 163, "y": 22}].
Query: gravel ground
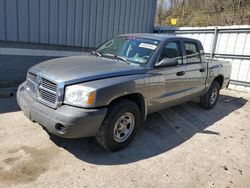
[{"x": 184, "y": 146}]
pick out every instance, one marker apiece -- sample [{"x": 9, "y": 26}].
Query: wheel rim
[
  {"x": 124, "y": 126},
  {"x": 214, "y": 96}
]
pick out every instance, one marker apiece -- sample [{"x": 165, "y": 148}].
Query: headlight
[{"x": 79, "y": 95}]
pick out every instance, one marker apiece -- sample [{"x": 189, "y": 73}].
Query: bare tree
[
  {"x": 160, "y": 12},
  {"x": 204, "y": 12}
]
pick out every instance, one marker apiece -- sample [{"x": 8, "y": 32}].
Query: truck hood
[{"x": 84, "y": 68}]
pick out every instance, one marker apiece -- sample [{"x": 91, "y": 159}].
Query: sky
[{"x": 167, "y": 3}]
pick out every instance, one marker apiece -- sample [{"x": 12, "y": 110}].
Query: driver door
[{"x": 167, "y": 83}]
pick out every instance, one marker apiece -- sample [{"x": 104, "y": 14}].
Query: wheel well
[
  {"x": 137, "y": 98},
  {"x": 220, "y": 80}
]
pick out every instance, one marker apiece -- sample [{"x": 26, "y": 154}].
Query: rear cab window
[{"x": 192, "y": 52}]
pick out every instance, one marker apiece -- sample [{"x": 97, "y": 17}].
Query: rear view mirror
[{"x": 167, "y": 62}]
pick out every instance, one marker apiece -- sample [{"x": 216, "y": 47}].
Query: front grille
[
  {"x": 42, "y": 89},
  {"x": 48, "y": 85},
  {"x": 32, "y": 77},
  {"x": 31, "y": 85},
  {"x": 47, "y": 96}
]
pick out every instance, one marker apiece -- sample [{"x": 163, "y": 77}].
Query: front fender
[{"x": 109, "y": 89}]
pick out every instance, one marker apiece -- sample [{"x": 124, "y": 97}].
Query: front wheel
[
  {"x": 210, "y": 99},
  {"x": 120, "y": 125}
]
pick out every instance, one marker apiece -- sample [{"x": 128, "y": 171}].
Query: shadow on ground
[{"x": 161, "y": 132}]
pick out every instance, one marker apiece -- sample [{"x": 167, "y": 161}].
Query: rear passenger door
[{"x": 196, "y": 71}]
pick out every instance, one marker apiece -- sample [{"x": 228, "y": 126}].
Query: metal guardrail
[
  {"x": 229, "y": 56},
  {"x": 208, "y": 30},
  {"x": 215, "y": 31}
]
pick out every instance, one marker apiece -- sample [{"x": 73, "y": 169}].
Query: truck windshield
[{"x": 131, "y": 49}]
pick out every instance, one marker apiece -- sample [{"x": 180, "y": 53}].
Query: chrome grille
[
  {"x": 47, "y": 96},
  {"x": 48, "y": 85},
  {"x": 31, "y": 85},
  {"x": 42, "y": 89},
  {"x": 32, "y": 77}
]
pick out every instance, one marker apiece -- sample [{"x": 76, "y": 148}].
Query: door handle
[
  {"x": 181, "y": 73},
  {"x": 202, "y": 70}
]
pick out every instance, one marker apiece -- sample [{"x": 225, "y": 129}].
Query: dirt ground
[{"x": 184, "y": 146}]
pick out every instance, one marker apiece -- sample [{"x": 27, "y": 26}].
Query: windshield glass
[{"x": 132, "y": 49}]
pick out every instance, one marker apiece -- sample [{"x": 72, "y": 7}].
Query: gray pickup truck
[{"x": 108, "y": 93}]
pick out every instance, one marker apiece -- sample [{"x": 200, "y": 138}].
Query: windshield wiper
[
  {"x": 117, "y": 57},
  {"x": 96, "y": 53}
]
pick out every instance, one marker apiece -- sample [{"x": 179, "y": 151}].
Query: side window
[
  {"x": 192, "y": 52},
  {"x": 172, "y": 50}
]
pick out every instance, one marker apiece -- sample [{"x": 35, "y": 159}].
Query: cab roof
[{"x": 155, "y": 36}]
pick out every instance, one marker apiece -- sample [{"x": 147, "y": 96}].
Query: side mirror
[{"x": 167, "y": 62}]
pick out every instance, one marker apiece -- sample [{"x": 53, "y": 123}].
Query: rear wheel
[
  {"x": 120, "y": 125},
  {"x": 210, "y": 99}
]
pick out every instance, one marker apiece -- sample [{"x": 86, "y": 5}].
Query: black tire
[
  {"x": 106, "y": 133},
  {"x": 206, "y": 100}
]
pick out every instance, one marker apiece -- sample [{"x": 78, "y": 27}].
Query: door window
[
  {"x": 192, "y": 52},
  {"x": 172, "y": 51}
]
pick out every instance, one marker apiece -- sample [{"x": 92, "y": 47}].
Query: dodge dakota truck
[{"x": 108, "y": 93}]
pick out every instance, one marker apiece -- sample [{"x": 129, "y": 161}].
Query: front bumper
[{"x": 66, "y": 121}]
